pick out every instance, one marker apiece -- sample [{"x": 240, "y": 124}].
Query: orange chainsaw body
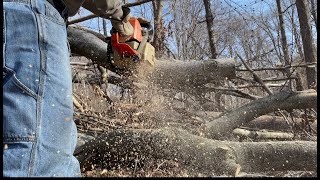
[
  {"x": 123, "y": 48},
  {"x": 136, "y": 50}
]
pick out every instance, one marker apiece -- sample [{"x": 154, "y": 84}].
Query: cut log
[{"x": 206, "y": 156}]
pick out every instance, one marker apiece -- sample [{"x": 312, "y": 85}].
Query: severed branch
[
  {"x": 94, "y": 15},
  {"x": 255, "y": 76}
]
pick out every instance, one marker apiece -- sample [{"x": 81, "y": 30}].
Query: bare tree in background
[
  {"x": 284, "y": 41},
  {"x": 209, "y": 19},
  {"x": 104, "y": 25},
  {"x": 189, "y": 35},
  {"x": 307, "y": 40},
  {"x": 314, "y": 13}
]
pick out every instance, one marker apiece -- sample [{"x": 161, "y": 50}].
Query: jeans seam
[
  {"x": 56, "y": 16},
  {"x": 39, "y": 97},
  {"x": 24, "y": 88},
  {"x": 18, "y": 83},
  {"x": 4, "y": 37},
  {"x": 7, "y": 139}
]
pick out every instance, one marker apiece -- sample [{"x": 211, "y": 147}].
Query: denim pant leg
[{"x": 39, "y": 134}]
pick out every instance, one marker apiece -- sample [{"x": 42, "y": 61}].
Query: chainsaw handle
[{"x": 149, "y": 30}]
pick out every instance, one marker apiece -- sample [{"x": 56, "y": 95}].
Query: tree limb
[
  {"x": 224, "y": 125},
  {"x": 94, "y": 15},
  {"x": 255, "y": 76}
]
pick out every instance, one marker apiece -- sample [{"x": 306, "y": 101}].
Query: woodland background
[{"x": 270, "y": 98}]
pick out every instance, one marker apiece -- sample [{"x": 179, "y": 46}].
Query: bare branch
[
  {"x": 280, "y": 68},
  {"x": 94, "y": 15},
  {"x": 255, "y": 76}
]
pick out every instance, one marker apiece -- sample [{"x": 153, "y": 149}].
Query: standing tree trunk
[
  {"x": 314, "y": 13},
  {"x": 104, "y": 25},
  {"x": 295, "y": 32},
  {"x": 284, "y": 42},
  {"x": 157, "y": 40},
  {"x": 209, "y": 19},
  {"x": 307, "y": 40}
]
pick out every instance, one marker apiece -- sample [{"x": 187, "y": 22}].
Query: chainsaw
[{"x": 127, "y": 55}]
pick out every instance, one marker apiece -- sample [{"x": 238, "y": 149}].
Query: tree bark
[
  {"x": 158, "y": 39},
  {"x": 209, "y": 157},
  {"x": 307, "y": 39},
  {"x": 222, "y": 127},
  {"x": 191, "y": 74}
]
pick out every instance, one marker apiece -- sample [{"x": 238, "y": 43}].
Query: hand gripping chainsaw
[{"x": 126, "y": 55}]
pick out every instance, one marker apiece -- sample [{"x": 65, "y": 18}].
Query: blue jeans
[{"x": 39, "y": 135}]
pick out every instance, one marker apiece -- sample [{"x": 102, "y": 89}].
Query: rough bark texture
[
  {"x": 307, "y": 40},
  {"x": 223, "y": 126},
  {"x": 191, "y": 74},
  {"x": 206, "y": 156},
  {"x": 158, "y": 39}
]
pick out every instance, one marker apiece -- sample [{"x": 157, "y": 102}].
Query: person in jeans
[{"x": 39, "y": 135}]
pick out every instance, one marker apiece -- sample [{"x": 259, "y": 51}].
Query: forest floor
[{"x": 150, "y": 109}]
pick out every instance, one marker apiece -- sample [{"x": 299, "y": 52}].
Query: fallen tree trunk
[
  {"x": 206, "y": 156},
  {"x": 167, "y": 74},
  {"x": 223, "y": 126}
]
